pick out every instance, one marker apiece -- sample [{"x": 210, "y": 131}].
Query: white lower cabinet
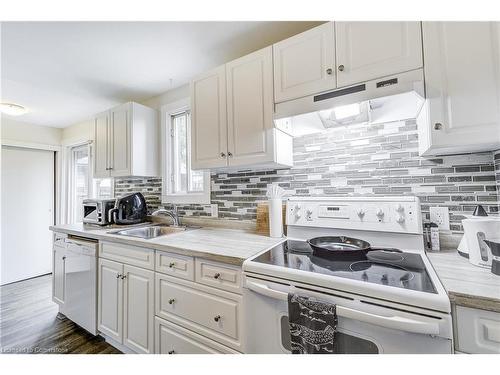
[
  {"x": 126, "y": 305},
  {"x": 212, "y": 313},
  {"x": 477, "y": 331},
  {"x": 173, "y": 339},
  {"x": 58, "y": 274}
]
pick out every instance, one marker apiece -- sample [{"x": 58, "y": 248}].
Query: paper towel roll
[{"x": 276, "y": 218}]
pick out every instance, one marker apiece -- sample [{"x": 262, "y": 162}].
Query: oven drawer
[
  {"x": 478, "y": 331},
  {"x": 204, "y": 310},
  {"x": 175, "y": 265},
  {"x": 173, "y": 339},
  {"x": 218, "y": 275},
  {"x": 133, "y": 255}
]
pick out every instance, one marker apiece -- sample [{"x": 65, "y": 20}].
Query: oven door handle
[{"x": 399, "y": 323}]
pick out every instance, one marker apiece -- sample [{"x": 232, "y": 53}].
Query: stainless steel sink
[{"x": 151, "y": 231}]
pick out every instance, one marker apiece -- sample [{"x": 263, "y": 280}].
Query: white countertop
[
  {"x": 466, "y": 284},
  {"x": 223, "y": 245}
]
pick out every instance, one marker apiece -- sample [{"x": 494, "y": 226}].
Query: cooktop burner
[{"x": 389, "y": 267}]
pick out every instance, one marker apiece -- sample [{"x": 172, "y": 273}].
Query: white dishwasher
[{"x": 81, "y": 283}]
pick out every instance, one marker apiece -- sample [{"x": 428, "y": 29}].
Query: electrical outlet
[
  {"x": 215, "y": 210},
  {"x": 440, "y": 216}
]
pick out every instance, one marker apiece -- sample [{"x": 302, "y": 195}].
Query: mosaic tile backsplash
[{"x": 359, "y": 160}]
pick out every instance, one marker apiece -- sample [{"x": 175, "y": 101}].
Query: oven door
[
  {"x": 362, "y": 329},
  {"x": 91, "y": 213}
]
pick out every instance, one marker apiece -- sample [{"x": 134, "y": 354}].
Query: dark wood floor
[{"x": 29, "y": 323}]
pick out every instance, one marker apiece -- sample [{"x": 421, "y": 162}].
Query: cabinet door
[
  {"x": 250, "y": 108},
  {"x": 369, "y": 50},
  {"x": 138, "y": 309},
  {"x": 110, "y": 299},
  {"x": 462, "y": 84},
  {"x": 100, "y": 148},
  {"x": 120, "y": 141},
  {"x": 58, "y": 275},
  {"x": 208, "y": 120},
  {"x": 305, "y": 63}
]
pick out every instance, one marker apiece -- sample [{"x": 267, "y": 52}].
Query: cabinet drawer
[
  {"x": 185, "y": 305},
  {"x": 175, "y": 265},
  {"x": 133, "y": 255},
  {"x": 173, "y": 339},
  {"x": 478, "y": 331},
  {"x": 219, "y": 276}
]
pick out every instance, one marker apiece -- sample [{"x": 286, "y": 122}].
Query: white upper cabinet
[
  {"x": 250, "y": 108},
  {"x": 208, "y": 119},
  {"x": 232, "y": 116},
  {"x": 462, "y": 84},
  {"x": 305, "y": 63},
  {"x": 126, "y": 142},
  {"x": 370, "y": 50}
]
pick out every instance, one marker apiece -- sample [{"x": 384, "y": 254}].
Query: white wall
[
  {"x": 78, "y": 133},
  {"x": 14, "y": 131},
  {"x": 170, "y": 96}
]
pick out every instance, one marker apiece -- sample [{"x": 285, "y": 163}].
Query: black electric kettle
[{"x": 130, "y": 209}]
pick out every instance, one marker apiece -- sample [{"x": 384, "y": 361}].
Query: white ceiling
[{"x": 65, "y": 72}]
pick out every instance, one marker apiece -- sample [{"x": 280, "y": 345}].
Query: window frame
[{"x": 168, "y": 196}]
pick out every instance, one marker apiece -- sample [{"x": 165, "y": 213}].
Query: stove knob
[
  {"x": 309, "y": 214},
  {"x": 361, "y": 213},
  {"x": 380, "y": 213},
  {"x": 400, "y": 220},
  {"x": 400, "y": 208}
]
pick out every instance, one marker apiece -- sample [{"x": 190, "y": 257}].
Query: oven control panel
[{"x": 390, "y": 214}]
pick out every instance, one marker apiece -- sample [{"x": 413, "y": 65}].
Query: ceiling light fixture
[{"x": 12, "y": 109}]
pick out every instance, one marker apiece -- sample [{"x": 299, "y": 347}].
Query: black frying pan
[{"x": 340, "y": 245}]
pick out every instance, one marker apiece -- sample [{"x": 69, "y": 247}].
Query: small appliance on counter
[
  {"x": 478, "y": 228},
  {"x": 96, "y": 211},
  {"x": 463, "y": 248},
  {"x": 130, "y": 209},
  {"x": 494, "y": 245}
]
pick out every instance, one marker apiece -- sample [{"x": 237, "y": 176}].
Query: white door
[
  {"x": 27, "y": 212},
  {"x": 305, "y": 63},
  {"x": 110, "y": 299},
  {"x": 101, "y": 148},
  {"x": 120, "y": 141},
  {"x": 462, "y": 84},
  {"x": 250, "y": 108},
  {"x": 58, "y": 274},
  {"x": 369, "y": 50},
  {"x": 208, "y": 120},
  {"x": 138, "y": 309}
]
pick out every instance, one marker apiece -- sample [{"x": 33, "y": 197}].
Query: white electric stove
[{"x": 389, "y": 300}]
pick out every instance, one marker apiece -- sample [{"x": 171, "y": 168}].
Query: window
[
  {"x": 181, "y": 184},
  {"x": 81, "y": 184}
]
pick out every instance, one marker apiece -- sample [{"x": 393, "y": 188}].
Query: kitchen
[{"x": 331, "y": 189}]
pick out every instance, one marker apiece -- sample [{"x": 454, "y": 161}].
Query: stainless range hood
[{"x": 386, "y": 99}]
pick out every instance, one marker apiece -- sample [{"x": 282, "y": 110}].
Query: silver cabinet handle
[
  {"x": 118, "y": 276},
  {"x": 172, "y": 265},
  {"x": 438, "y": 126},
  {"x": 171, "y": 301},
  {"x": 222, "y": 155},
  {"x": 341, "y": 68},
  {"x": 64, "y": 257},
  {"x": 124, "y": 277},
  {"x": 217, "y": 318},
  {"x": 217, "y": 275},
  {"x": 171, "y": 351},
  {"x": 230, "y": 154},
  {"x": 329, "y": 71}
]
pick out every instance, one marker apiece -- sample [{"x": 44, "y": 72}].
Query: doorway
[{"x": 27, "y": 211}]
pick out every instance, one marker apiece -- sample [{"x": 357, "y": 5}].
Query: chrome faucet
[{"x": 172, "y": 213}]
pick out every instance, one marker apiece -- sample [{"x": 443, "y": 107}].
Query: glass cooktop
[{"x": 389, "y": 267}]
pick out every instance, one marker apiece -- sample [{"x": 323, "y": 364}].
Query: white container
[
  {"x": 276, "y": 217},
  {"x": 476, "y": 231}
]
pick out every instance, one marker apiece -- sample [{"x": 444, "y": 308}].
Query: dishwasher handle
[{"x": 400, "y": 323}]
